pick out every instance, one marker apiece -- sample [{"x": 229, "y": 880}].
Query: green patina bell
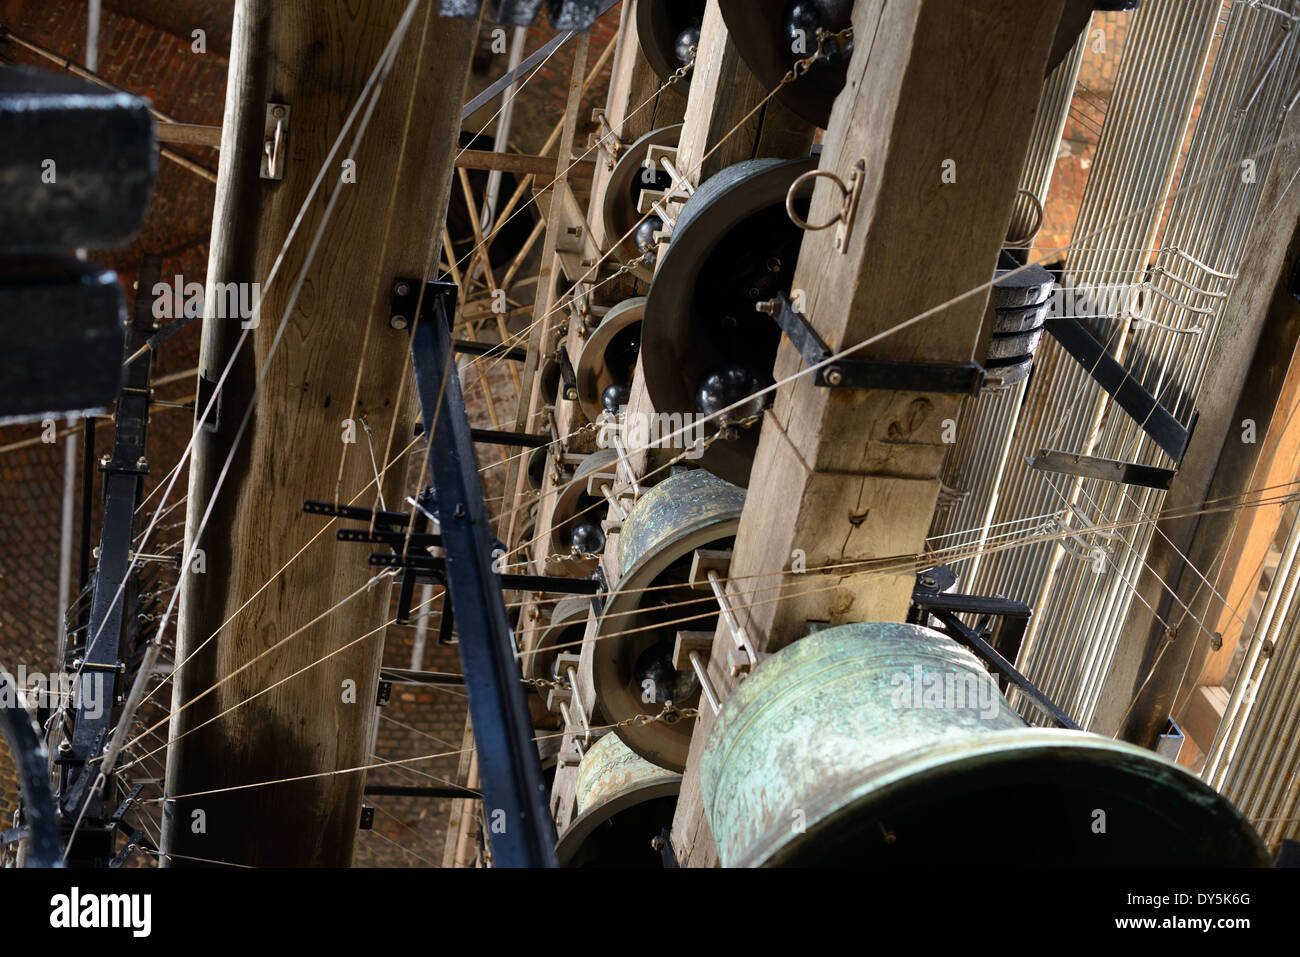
[
  {"x": 889, "y": 744},
  {"x": 632, "y": 667},
  {"x": 623, "y": 803}
]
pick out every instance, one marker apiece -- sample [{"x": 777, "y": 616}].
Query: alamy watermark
[
  {"x": 946, "y": 690},
  {"x": 639, "y": 430},
  {"x": 84, "y": 691},
  {"x": 230, "y": 300}
]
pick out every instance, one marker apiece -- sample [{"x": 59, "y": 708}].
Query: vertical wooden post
[
  {"x": 938, "y": 107},
  {"x": 315, "y": 58}
]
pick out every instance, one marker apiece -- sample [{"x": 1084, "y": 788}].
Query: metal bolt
[
  {"x": 277, "y": 111},
  {"x": 142, "y": 463},
  {"x": 401, "y": 289},
  {"x": 769, "y": 307},
  {"x": 774, "y": 264},
  {"x": 104, "y": 460},
  {"x": 397, "y": 322},
  {"x": 834, "y": 376}
]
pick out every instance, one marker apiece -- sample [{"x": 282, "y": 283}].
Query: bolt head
[
  {"x": 834, "y": 376},
  {"x": 397, "y": 322},
  {"x": 401, "y": 289}
]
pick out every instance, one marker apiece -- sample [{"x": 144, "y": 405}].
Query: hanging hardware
[
  {"x": 850, "y": 193},
  {"x": 708, "y": 566},
  {"x": 1025, "y": 241},
  {"x": 275, "y": 133},
  {"x": 929, "y": 600},
  {"x": 1129, "y": 394},
  {"x": 690, "y": 649},
  {"x": 852, "y": 373},
  {"x": 1108, "y": 470}
]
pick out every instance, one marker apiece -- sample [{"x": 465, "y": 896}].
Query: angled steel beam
[{"x": 509, "y": 766}]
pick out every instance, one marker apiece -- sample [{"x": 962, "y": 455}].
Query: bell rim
[{"x": 591, "y": 360}]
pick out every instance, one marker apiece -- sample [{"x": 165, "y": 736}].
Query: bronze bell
[
  {"x": 575, "y": 505},
  {"x": 631, "y": 659},
  {"x": 664, "y": 30},
  {"x": 629, "y": 177},
  {"x": 889, "y": 744},
  {"x": 608, "y": 355},
  {"x": 763, "y": 31},
  {"x": 623, "y": 804},
  {"x": 563, "y": 633},
  {"x": 733, "y": 246}
]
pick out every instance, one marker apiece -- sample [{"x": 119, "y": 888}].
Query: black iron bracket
[
  {"x": 1129, "y": 394},
  {"x": 520, "y": 439},
  {"x": 434, "y": 568},
  {"x": 939, "y": 377},
  {"x": 567, "y": 375},
  {"x": 930, "y": 601},
  {"x": 1108, "y": 470}
]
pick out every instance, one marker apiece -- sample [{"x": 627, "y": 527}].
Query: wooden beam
[
  {"x": 1254, "y": 375},
  {"x": 338, "y": 342},
  {"x": 853, "y": 476},
  {"x": 189, "y": 133},
  {"x": 543, "y": 166}
]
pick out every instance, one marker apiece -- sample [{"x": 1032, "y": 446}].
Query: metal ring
[
  {"x": 1038, "y": 221},
  {"x": 799, "y": 180}
]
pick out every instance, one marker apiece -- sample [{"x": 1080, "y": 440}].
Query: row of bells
[{"x": 874, "y": 743}]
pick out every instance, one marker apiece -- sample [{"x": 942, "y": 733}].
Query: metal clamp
[
  {"x": 854, "y": 373},
  {"x": 275, "y": 132},
  {"x": 850, "y": 193}
]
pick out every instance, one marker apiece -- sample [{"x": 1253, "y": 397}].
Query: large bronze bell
[
  {"x": 623, "y": 803},
  {"x": 889, "y": 744},
  {"x": 622, "y": 224},
  {"x": 631, "y": 659},
  {"x": 733, "y": 246},
  {"x": 666, "y": 31},
  {"x": 608, "y": 356}
]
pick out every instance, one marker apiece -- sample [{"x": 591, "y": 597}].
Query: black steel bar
[
  {"x": 471, "y": 348},
  {"x": 1154, "y": 419},
  {"x": 432, "y": 568},
  {"x": 514, "y": 790},
  {"x": 1108, "y": 470},
  {"x": 402, "y": 790},
  {"x": 87, "y": 500},
  {"x": 420, "y": 540},
  {"x": 959, "y": 631},
  {"x": 357, "y": 513},
  {"x": 408, "y": 676},
  {"x": 498, "y": 437},
  {"x": 854, "y": 373}
]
